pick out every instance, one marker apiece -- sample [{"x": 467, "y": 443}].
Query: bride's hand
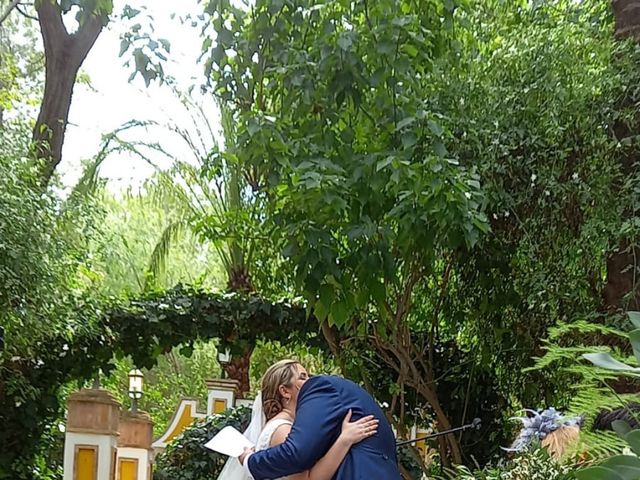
[{"x": 354, "y": 432}]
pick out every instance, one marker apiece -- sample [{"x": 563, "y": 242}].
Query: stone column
[
  {"x": 91, "y": 435},
  {"x": 222, "y": 395},
  {"x": 135, "y": 455}
]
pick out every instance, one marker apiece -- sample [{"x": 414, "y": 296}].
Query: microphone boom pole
[{"x": 475, "y": 425}]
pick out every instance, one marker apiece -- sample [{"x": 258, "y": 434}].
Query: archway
[{"x": 143, "y": 328}]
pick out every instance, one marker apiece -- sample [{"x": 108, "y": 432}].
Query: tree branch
[
  {"x": 8, "y": 10},
  {"x": 87, "y": 34},
  {"x": 51, "y": 24},
  {"x": 25, "y": 14},
  {"x": 436, "y": 314}
]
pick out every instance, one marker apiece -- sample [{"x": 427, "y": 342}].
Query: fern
[
  {"x": 589, "y": 391},
  {"x": 583, "y": 327}
]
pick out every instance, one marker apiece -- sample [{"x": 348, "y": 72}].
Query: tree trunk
[
  {"x": 48, "y": 134},
  {"x": 620, "y": 291},
  {"x": 239, "y": 280},
  {"x": 454, "y": 452},
  {"x": 238, "y": 369},
  {"x": 627, "y": 18},
  {"x": 64, "y": 54}
]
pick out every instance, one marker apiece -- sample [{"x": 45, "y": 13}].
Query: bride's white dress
[
  {"x": 258, "y": 433},
  {"x": 264, "y": 440}
]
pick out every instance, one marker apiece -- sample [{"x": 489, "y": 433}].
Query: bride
[{"x": 276, "y": 405}]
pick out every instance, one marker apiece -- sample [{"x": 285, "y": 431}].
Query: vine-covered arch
[
  {"x": 142, "y": 328},
  {"x": 155, "y": 323}
]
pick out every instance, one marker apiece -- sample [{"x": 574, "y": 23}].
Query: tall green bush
[{"x": 186, "y": 457}]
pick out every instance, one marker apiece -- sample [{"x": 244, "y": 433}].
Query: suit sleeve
[{"x": 318, "y": 423}]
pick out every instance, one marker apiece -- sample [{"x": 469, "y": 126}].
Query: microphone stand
[{"x": 473, "y": 425}]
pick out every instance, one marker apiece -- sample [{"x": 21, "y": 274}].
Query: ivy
[
  {"x": 142, "y": 328},
  {"x": 186, "y": 457}
]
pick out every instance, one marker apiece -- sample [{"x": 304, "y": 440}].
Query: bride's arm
[{"x": 326, "y": 467}]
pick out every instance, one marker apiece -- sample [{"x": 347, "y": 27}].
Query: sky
[{"x": 111, "y": 100}]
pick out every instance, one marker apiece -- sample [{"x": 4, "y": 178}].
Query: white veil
[{"x": 233, "y": 469}]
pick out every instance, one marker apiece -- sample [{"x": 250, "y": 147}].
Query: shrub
[
  {"x": 186, "y": 458},
  {"x": 535, "y": 465}
]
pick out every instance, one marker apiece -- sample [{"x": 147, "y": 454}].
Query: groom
[{"x": 323, "y": 403}]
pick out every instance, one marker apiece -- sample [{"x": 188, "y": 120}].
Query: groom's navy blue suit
[{"x": 323, "y": 403}]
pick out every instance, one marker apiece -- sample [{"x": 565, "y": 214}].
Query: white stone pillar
[
  {"x": 91, "y": 436},
  {"x": 135, "y": 455},
  {"x": 222, "y": 395}
]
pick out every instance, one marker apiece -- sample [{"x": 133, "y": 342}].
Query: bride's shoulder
[
  {"x": 275, "y": 432},
  {"x": 280, "y": 433},
  {"x": 277, "y": 422}
]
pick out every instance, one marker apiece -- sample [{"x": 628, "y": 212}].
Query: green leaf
[
  {"x": 165, "y": 44},
  {"x": 253, "y": 126},
  {"x": 435, "y": 128},
  {"x": 378, "y": 292},
  {"x": 275, "y": 6},
  {"x": 627, "y": 466},
  {"x": 384, "y": 163},
  {"x": 345, "y": 41},
  {"x": 634, "y": 338},
  {"x": 410, "y": 50},
  {"x": 362, "y": 298},
  {"x": 405, "y": 122},
  {"x": 449, "y": 5},
  {"x": 633, "y": 439},
  {"x": 621, "y": 427},
  {"x": 634, "y": 318},
  {"x": 597, "y": 473},
  {"x": 320, "y": 311},
  {"x": 339, "y": 314},
  {"x": 124, "y": 46},
  {"x": 225, "y": 37},
  {"x": 327, "y": 294},
  {"x": 440, "y": 149},
  {"x": 604, "y": 360},
  {"x": 409, "y": 139},
  {"x": 385, "y": 47}
]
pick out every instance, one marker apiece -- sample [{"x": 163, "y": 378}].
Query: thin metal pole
[{"x": 475, "y": 424}]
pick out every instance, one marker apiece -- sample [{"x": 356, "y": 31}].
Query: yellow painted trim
[
  {"x": 184, "y": 421},
  {"x": 219, "y": 405},
  {"x": 85, "y": 462},
  {"x": 128, "y": 468},
  {"x": 186, "y": 413}
]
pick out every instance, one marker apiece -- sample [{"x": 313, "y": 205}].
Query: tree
[
  {"x": 621, "y": 292},
  {"x": 21, "y": 78},
  {"x": 44, "y": 296},
  {"x": 332, "y": 102},
  {"x": 217, "y": 199},
  {"x": 133, "y": 227},
  {"x": 64, "y": 54}
]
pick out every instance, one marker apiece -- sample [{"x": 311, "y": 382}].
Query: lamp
[
  {"x": 224, "y": 358},
  {"x": 136, "y": 380}
]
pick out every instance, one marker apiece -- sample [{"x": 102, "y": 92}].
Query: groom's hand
[{"x": 244, "y": 454}]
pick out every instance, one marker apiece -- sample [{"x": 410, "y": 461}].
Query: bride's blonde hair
[{"x": 280, "y": 373}]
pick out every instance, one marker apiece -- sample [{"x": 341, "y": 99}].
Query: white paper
[{"x": 229, "y": 441}]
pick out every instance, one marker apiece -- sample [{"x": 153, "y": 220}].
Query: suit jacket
[{"x": 323, "y": 403}]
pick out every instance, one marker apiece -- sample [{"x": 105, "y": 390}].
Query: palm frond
[{"x": 158, "y": 260}]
